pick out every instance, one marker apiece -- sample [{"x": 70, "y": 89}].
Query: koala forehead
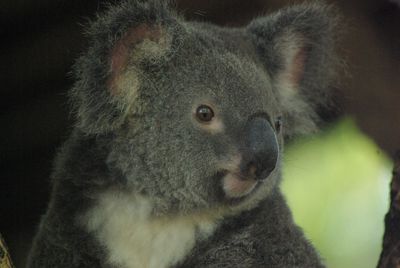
[{"x": 214, "y": 66}]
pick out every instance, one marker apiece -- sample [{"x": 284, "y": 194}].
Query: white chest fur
[{"x": 122, "y": 224}]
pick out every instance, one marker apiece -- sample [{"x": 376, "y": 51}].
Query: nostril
[
  {"x": 260, "y": 168},
  {"x": 257, "y": 169},
  {"x": 252, "y": 170},
  {"x": 249, "y": 169}
]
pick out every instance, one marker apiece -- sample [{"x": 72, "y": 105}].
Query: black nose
[{"x": 261, "y": 149}]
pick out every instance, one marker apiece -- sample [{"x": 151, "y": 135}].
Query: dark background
[{"x": 40, "y": 39}]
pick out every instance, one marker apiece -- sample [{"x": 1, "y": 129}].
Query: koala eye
[
  {"x": 204, "y": 113},
  {"x": 278, "y": 124}
]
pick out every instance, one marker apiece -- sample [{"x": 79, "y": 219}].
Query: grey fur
[{"x": 148, "y": 145}]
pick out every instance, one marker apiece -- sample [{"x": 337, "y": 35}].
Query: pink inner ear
[
  {"x": 296, "y": 69},
  {"x": 124, "y": 46}
]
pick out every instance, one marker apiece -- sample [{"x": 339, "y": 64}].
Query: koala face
[
  {"x": 209, "y": 128},
  {"x": 199, "y": 113}
]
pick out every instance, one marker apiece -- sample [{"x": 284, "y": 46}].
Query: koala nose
[{"x": 261, "y": 149}]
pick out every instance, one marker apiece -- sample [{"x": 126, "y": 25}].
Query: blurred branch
[
  {"x": 390, "y": 256},
  {"x": 5, "y": 260}
]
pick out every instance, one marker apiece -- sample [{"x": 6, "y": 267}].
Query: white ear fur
[
  {"x": 140, "y": 42},
  {"x": 293, "y": 52}
]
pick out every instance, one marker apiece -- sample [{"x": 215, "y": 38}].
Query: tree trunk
[
  {"x": 390, "y": 256},
  {"x": 5, "y": 259}
]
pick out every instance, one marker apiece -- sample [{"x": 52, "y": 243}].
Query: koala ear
[
  {"x": 124, "y": 42},
  {"x": 296, "y": 47}
]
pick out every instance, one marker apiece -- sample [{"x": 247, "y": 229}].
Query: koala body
[{"x": 175, "y": 157}]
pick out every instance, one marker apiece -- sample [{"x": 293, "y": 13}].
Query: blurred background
[{"x": 336, "y": 182}]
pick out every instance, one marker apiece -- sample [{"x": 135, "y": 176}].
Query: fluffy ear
[
  {"x": 296, "y": 47},
  {"x": 124, "y": 42}
]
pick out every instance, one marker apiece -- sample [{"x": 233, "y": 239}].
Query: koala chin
[{"x": 175, "y": 156}]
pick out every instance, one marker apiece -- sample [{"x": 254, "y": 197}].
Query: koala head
[{"x": 197, "y": 114}]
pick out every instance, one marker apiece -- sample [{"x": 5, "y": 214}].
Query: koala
[{"x": 175, "y": 156}]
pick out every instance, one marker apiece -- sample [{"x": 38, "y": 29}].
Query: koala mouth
[{"x": 235, "y": 186}]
